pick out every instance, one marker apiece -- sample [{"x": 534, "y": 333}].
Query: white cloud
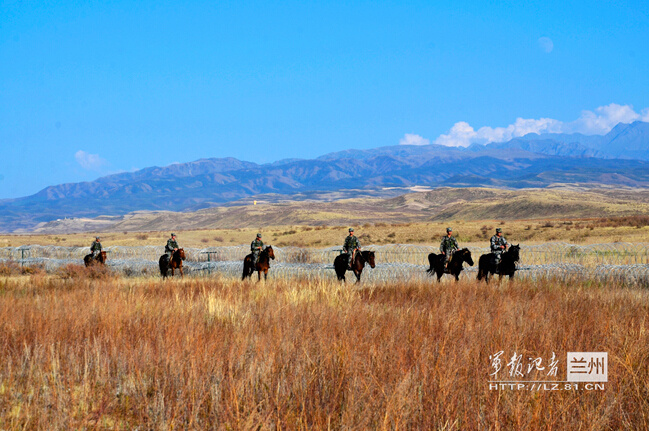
[
  {"x": 90, "y": 162},
  {"x": 599, "y": 122},
  {"x": 463, "y": 135},
  {"x": 460, "y": 135},
  {"x": 410, "y": 139},
  {"x": 603, "y": 119},
  {"x": 546, "y": 44},
  {"x": 644, "y": 115}
]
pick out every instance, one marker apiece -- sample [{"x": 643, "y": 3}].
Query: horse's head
[
  {"x": 102, "y": 256},
  {"x": 181, "y": 253},
  {"x": 368, "y": 256},
  {"x": 270, "y": 252},
  {"x": 514, "y": 252},
  {"x": 466, "y": 256}
]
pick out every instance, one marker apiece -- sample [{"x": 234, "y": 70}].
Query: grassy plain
[
  {"x": 530, "y": 231},
  {"x": 89, "y": 350}
]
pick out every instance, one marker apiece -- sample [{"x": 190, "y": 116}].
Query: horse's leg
[
  {"x": 180, "y": 268},
  {"x": 358, "y": 276},
  {"x": 265, "y": 274}
]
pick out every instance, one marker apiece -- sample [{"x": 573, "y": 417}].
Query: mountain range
[{"x": 619, "y": 158}]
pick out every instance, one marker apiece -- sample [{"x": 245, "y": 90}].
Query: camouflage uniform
[
  {"x": 448, "y": 246},
  {"x": 351, "y": 244},
  {"x": 95, "y": 248},
  {"x": 171, "y": 245},
  {"x": 254, "y": 247},
  {"x": 496, "y": 249}
]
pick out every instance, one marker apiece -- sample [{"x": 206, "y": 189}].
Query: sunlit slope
[{"x": 437, "y": 205}]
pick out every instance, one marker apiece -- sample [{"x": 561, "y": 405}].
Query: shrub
[{"x": 9, "y": 268}]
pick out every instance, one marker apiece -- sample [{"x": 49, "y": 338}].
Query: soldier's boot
[{"x": 497, "y": 264}]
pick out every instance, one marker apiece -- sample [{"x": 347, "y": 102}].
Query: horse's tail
[
  {"x": 163, "y": 263},
  {"x": 431, "y": 259},
  {"x": 340, "y": 267},
  {"x": 247, "y": 263}
]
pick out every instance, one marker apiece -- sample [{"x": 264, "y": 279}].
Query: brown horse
[
  {"x": 340, "y": 264},
  {"x": 175, "y": 263},
  {"x": 100, "y": 259},
  {"x": 262, "y": 265}
]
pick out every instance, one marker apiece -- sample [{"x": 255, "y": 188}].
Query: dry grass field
[
  {"x": 89, "y": 350},
  {"x": 633, "y": 228}
]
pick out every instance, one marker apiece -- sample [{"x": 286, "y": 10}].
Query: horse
[
  {"x": 176, "y": 262},
  {"x": 487, "y": 264},
  {"x": 100, "y": 259},
  {"x": 262, "y": 265},
  {"x": 436, "y": 262},
  {"x": 340, "y": 264}
]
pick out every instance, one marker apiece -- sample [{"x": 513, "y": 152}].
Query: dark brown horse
[
  {"x": 100, "y": 259},
  {"x": 454, "y": 265},
  {"x": 340, "y": 264},
  {"x": 176, "y": 262},
  {"x": 262, "y": 265},
  {"x": 487, "y": 264}
]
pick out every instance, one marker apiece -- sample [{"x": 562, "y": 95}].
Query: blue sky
[{"x": 91, "y": 88}]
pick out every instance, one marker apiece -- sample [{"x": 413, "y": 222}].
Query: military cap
[
  {"x": 173, "y": 234},
  {"x": 448, "y": 229},
  {"x": 351, "y": 229},
  {"x": 259, "y": 235},
  {"x": 498, "y": 230},
  {"x": 97, "y": 238}
]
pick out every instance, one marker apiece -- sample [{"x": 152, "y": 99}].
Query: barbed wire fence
[{"x": 628, "y": 262}]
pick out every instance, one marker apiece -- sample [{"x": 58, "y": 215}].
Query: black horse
[
  {"x": 100, "y": 259},
  {"x": 454, "y": 265},
  {"x": 176, "y": 263},
  {"x": 340, "y": 264},
  {"x": 487, "y": 263},
  {"x": 262, "y": 265}
]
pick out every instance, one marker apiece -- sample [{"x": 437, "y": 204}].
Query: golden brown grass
[
  {"x": 115, "y": 353},
  {"x": 471, "y": 233}
]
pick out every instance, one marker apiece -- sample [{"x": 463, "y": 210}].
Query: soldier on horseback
[
  {"x": 256, "y": 247},
  {"x": 171, "y": 247},
  {"x": 350, "y": 247},
  {"x": 95, "y": 248},
  {"x": 498, "y": 245},
  {"x": 448, "y": 246}
]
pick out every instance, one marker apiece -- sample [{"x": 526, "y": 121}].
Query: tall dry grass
[{"x": 113, "y": 353}]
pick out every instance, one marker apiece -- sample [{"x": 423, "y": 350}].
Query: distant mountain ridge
[{"x": 619, "y": 158}]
